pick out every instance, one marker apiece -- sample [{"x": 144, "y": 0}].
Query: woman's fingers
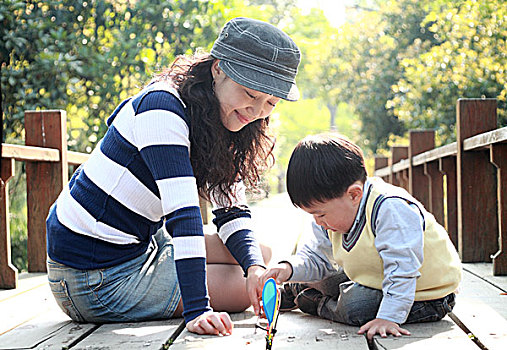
[{"x": 217, "y": 323}]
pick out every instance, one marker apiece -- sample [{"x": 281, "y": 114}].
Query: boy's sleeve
[
  {"x": 399, "y": 241},
  {"x": 312, "y": 259}
]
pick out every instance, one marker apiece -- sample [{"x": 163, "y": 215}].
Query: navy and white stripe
[
  {"x": 234, "y": 225},
  {"x": 137, "y": 177}
]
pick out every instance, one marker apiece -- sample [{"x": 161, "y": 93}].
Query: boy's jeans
[
  {"x": 355, "y": 304},
  {"x": 144, "y": 288}
]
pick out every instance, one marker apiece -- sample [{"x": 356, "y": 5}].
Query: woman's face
[{"x": 240, "y": 105}]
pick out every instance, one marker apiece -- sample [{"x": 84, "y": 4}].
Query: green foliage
[
  {"x": 404, "y": 64},
  {"x": 394, "y": 66},
  {"x": 18, "y": 218},
  {"x": 469, "y": 61}
]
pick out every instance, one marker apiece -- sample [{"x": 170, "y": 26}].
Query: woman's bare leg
[
  {"x": 226, "y": 282},
  {"x": 217, "y": 252},
  {"x": 226, "y": 288}
]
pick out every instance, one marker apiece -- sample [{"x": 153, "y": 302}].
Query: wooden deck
[{"x": 30, "y": 318}]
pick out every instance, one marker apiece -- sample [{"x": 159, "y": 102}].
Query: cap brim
[{"x": 260, "y": 81}]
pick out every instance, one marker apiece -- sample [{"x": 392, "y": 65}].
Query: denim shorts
[{"x": 144, "y": 288}]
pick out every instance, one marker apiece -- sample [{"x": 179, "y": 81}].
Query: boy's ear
[{"x": 355, "y": 192}]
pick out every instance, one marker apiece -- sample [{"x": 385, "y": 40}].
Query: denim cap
[{"x": 259, "y": 56}]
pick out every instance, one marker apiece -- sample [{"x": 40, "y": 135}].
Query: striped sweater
[{"x": 138, "y": 177}]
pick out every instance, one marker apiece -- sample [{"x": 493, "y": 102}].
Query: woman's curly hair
[{"x": 219, "y": 157}]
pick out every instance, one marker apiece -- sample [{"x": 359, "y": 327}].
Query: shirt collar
[{"x": 366, "y": 187}]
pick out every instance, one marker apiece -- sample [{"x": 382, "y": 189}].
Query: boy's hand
[
  {"x": 382, "y": 327},
  {"x": 280, "y": 272},
  {"x": 254, "y": 286},
  {"x": 211, "y": 322}
]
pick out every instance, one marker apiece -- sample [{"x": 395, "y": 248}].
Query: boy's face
[{"x": 338, "y": 214}]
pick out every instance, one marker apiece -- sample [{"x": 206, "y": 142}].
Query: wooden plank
[
  {"x": 280, "y": 225},
  {"x": 447, "y": 166},
  {"x": 383, "y": 172},
  {"x": 52, "y": 330},
  {"x": 443, "y": 334},
  {"x": 476, "y": 183},
  {"x": 77, "y": 158},
  {"x": 419, "y": 141},
  {"x": 25, "y": 307},
  {"x": 435, "y": 190},
  {"x": 380, "y": 162},
  {"x": 397, "y": 153},
  {"x": 44, "y": 180},
  {"x": 401, "y": 165},
  {"x": 8, "y": 272},
  {"x": 381, "y": 168},
  {"x": 485, "y": 272},
  {"x": 135, "y": 335},
  {"x": 498, "y": 156},
  {"x": 485, "y": 139},
  {"x": 437, "y": 153},
  {"x": 482, "y": 308},
  {"x": 29, "y": 153},
  {"x": 295, "y": 330},
  {"x": 26, "y": 282}
]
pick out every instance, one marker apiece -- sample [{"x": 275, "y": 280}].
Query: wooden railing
[
  {"x": 464, "y": 184},
  {"x": 47, "y": 171}
]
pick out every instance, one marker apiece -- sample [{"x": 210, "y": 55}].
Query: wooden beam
[
  {"x": 77, "y": 158},
  {"x": 476, "y": 183},
  {"x": 435, "y": 191},
  {"x": 381, "y": 169},
  {"x": 498, "y": 155},
  {"x": 397, "y": 153},
  {"x": 435, "y": 154},
  {"x": 8, "y": 272},
  {"x": 485, "y": 139},
  {"x": 447, "y": 166},
  {"x": 44, "y": 180},
  {"x": 419, "y": 141},
  {"x": 28, "y": 153}
]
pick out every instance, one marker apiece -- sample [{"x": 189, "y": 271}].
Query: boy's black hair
[{"x": 322, "y": 167}]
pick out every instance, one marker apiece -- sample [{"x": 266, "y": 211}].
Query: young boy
[{"x": 401, "y": 264}]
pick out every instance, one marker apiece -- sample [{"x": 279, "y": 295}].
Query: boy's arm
[
  {"x": 399, "y": 241},
  {"x": 311, "y": 262}
]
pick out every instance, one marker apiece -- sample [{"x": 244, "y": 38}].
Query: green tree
[{"x": 470, "y": 60}]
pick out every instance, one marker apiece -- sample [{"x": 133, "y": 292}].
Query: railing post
[
  {"x": 447, "y": 166},
  {"x": 498, "y": 155},
  {"x": 44, "y": 180},
  {"x": 397, "y": 153},
  {"x": 419, "y": 141},
  {"x": 8, "y": 272},
  {"x": 435, "y": 190},
  {"x": 380, "y": 162},
  {"x": 476, "y": 183}
]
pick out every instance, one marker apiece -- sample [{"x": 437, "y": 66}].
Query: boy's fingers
[{"x": 404, "y": 331}]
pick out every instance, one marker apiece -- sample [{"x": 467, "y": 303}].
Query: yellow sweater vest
[{"x": 356, "y": 252}]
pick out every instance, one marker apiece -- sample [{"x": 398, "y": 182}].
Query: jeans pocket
[{"x": 63, "y": 299}]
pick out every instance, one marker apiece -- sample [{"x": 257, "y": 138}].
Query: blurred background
[{"x": 371, "y": 69}]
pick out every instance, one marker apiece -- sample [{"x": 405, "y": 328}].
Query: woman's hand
[
  {"x": 254, "y": 286},
  {"x": 382, "y": 327},
  {"x": 211, "y": 322}
]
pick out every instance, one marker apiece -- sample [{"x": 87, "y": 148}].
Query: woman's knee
[{"x": 267, "y": 253}]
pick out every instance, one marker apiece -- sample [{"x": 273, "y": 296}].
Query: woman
[{"x": 125, "y": 239}]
